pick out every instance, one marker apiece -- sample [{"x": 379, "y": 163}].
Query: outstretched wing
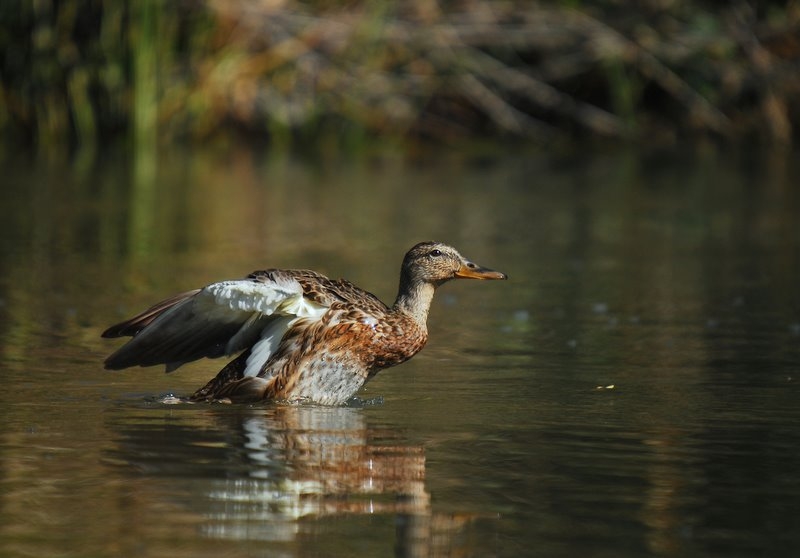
[{"x": 220, "y": 319}]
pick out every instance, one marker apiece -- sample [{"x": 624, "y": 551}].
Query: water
[{"x": 631, "y": 391}]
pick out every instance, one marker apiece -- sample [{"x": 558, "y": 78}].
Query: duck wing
[{"x": 220, "y": 319}]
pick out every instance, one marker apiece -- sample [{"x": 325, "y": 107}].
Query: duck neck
[{"x": 414, "y": 300}]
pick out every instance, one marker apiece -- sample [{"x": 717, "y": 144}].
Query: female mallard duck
[{"x": 303, "y": 337}]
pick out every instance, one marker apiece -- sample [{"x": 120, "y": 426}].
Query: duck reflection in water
[
  {"x": 301, "y": 336},
  {"x": 255, "y": 473}
]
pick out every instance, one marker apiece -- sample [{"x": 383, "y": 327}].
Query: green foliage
[{"x": 85, "y": 71}]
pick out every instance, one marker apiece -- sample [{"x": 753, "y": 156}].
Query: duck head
[{"x": 435, "y": 263}]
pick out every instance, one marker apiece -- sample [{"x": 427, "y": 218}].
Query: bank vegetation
[{"x": 90, "y": 71}]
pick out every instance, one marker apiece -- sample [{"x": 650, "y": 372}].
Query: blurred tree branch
[{"x": 532, "y": 70}]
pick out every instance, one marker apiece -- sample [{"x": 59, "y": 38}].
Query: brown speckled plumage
[{"x": 301, "y": 335}]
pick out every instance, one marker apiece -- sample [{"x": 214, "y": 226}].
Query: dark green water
[{"x": 631, "y": 391}]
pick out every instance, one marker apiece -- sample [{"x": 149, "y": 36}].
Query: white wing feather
[
  {"x": 283, "y": 297},
  {"x": 221, "y": 319},
  {"x": 254, "y": 296}
]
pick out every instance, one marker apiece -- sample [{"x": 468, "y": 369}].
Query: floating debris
[{"x": 609, "y": 386}]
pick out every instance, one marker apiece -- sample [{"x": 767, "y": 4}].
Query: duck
[{"x": 298, "y": 336}]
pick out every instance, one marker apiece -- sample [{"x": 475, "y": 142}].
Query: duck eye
[{"x": 435, "y": 253}]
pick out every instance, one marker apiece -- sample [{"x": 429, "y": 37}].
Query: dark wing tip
[
  {"x": 118, "y": 330},
  {"x": 112, "y": 363},
  {"x": 131, "y": 327}
]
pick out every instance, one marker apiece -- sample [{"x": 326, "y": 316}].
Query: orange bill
[{"x": 470, "y": 270}]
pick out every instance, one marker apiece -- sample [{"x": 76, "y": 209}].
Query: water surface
[{"x": 631, "y": 391}]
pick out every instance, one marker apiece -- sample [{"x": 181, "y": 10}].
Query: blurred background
[
  {"x": 86, "y": 72},
  {"x": 633, "y": 166}
]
